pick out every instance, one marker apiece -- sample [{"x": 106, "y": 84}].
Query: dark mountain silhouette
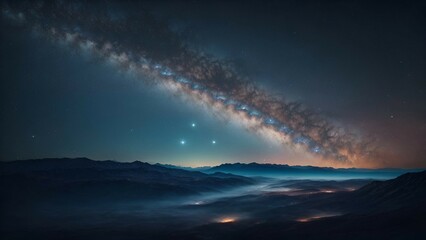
[
  {"x": 86, "y": 199},
  {"x": 392, "y": 209},
  {"x": 407, "y": 190},
  {"x": 278, "y": 170},
  {"x": 184, "y": 168},
  {"x": 84, "y": 179}
]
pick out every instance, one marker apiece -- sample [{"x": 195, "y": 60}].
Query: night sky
[{"x": 358, "y": 64}]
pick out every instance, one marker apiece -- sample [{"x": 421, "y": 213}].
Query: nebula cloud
[{"x": 142, "y": 44}]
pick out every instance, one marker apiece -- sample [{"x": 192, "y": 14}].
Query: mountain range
[
  {"x": 84, "y": 199},
  {"x": 81, "y": 179},
  {"x": 286, "y": 171}
]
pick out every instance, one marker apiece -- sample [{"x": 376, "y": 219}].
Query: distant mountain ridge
[
  {"x": 277, "y": 170},
  {"x": 75, "y": 193},
  {"x": 77, "y": 178},
  {"x": 65, "y": 163},
  {"x": 183, "y": 167}
]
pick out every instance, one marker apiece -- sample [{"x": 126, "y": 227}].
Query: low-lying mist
[{"x": 85, "y": 199}]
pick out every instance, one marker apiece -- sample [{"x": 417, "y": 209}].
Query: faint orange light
[
  {"x": 308, "y": 219},
  {"x": 227, "y": 220},
  {"x": 303, "y": 219},
  {"x": 328, "y": 191}
]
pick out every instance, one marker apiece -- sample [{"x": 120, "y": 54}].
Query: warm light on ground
[
  {"x": 328, "y": 191},
  {"x": 303, "y": 219},
  {"x": 308, "y": 219},
  {"x": 227, "y": 220}
]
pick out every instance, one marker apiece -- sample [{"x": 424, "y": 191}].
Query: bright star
[
  {"x": 193, "y": 124},
  {"x": 182, "y": 142},
  {"x": 214, "y": 142}
]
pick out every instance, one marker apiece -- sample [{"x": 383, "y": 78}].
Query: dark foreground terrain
[{"x": 85, "y": 199}]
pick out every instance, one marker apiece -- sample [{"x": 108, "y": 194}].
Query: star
[
  {"x": 193, "y": 125},
  {"x": 182, "y": 142},
  {"x": 32, "y": 136},
  {"x": 213, "y": 142}
]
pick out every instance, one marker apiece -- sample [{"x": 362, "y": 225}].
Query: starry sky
[{"x": 359, "y": 64}]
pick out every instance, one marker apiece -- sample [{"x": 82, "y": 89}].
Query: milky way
[{"x": 141, "y": 44}]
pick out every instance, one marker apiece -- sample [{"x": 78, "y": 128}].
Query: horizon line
[{"x": 212, "y": 166}]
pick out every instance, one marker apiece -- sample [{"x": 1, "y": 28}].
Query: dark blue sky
[
  {"x": 76, "y": 106},
  {"x": 360, "y": 64}
]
